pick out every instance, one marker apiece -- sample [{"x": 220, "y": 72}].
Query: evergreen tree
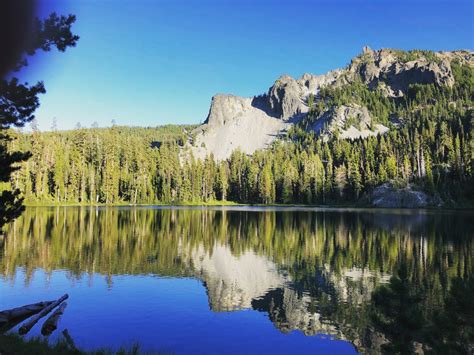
[{"x": 18, "y": 103}]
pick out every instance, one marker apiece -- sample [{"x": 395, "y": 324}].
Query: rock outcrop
[
  {"x": 288, "y": 98},
  {"x": 235, "y": 123},
  {"x": 349, "y": 122},
  {"x": 292, "y": 312},
  {"x": 254, "y": 123},
  {"x": 398, "y": 69}
]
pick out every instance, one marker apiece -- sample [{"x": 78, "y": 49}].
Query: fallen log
[
  {"x": 25, "y": 328},
  {"x": 51, "y": 324},
  {"x": 26, "y": 311}
]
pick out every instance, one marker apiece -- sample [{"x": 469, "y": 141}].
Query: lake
[{"x": 243, "y": 279}]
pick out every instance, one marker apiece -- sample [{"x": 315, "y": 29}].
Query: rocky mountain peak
[
  {"x": 367, "y": 50},
  {"x": 286, "y": 98},
  {"x": 225, "y": 107},
  {"x": 254, "y": 123},
  {"x": 399, "y": 69}
]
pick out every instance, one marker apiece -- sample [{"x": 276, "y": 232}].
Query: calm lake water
[{"x": 230, "y": 280}]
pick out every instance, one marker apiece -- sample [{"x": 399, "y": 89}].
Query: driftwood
[
  {"x": 23, "y": 312},
  {"x": 25, "y": 328},
  {"x": 69, "y": 340},
  {"x": 51, "y": 324}
]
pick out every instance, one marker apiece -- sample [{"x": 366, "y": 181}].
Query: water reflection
[{"x": 314, "y": 272}]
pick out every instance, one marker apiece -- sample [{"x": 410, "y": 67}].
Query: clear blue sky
[{"x": 152, "y": 62}]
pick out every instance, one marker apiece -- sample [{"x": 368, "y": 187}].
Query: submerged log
[
  {"x": 51, "y": 324},
  {"x": 26, "y": 311},
  {"x": 25, "y": 328},
  {"x": 69, "y": 340}
]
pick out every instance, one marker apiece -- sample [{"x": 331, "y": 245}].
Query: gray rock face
[
  {"x": 285, "y": 98},
  {"x": 350, "y": 122},
  {"x": 251, "y": 281},
  {"x": 224, "y": 108},
  {"x": 399, "y": 69},
  {"x": 235, "y": 123},
  {"x": 288, "y": 97},
  {"x": 294, "y": 314},
  {"x": 254, "y": 123},
  {"x": 387, "y": 196}
]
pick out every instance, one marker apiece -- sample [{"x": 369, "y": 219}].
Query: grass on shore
[{"x": 12, "y": 344}]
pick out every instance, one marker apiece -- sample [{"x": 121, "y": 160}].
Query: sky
[{"x": 155, "y": 62}]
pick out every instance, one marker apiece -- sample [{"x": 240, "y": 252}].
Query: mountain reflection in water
[{"x": 308, "y": 271}]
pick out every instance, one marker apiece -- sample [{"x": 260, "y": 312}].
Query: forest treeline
[{"x": 430, "y": 144}]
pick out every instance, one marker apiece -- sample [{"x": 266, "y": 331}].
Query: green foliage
[
  {"x": 14, "y": 344},
  {"x": 452, "y": 327},
  {"x": 18, "y": 103},
  {"x": 432, "y": 147},
  {"x": 358, "y": 93},
  {"x": 415, "y": 54},
  {"x": 101, "y": 165}
]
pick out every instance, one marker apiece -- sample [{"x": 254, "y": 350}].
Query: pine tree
[
  {"x": 266, "y": 186},
  {"x": 222, "y": 181},
  {"x": 18, "y": 103}
]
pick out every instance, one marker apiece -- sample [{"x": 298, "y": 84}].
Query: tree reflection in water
[{"x": 385, "y": 280}]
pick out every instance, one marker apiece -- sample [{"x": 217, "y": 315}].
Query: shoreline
[{"x": 239, "y": 206}]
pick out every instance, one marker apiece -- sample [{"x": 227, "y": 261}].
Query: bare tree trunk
[
  {"x": 21, "y": 312},
  {"x": 25, "y": 328},
  {"x": 423, "y": 165},
  {"x": 418, "y": 163}
]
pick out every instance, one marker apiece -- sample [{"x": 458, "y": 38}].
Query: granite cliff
[{"x": 254, "y": 123}]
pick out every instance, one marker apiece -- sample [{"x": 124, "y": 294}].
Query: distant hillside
[{"x": 392, "y": 129}]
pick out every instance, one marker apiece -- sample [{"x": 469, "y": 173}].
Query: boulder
[{"x": 389, "y": 196}]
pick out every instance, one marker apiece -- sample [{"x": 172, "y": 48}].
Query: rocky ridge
[
  {"x": 254, "y": 123},
  {"x": 396, "y": 70}
]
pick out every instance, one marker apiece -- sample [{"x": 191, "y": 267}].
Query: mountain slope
[{"x": 254, "y": 123}]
